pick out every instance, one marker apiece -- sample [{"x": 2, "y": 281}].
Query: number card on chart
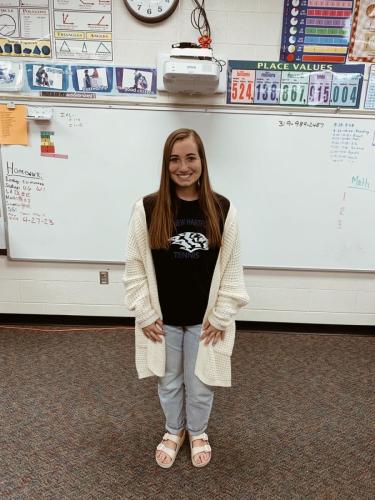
[{"x": 294, "y": 84}]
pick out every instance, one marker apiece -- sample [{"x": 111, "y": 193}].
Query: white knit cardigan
[{"x": 227, "y": 295}]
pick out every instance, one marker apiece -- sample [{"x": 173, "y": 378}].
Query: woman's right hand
[{"x": 154, "y": 331}]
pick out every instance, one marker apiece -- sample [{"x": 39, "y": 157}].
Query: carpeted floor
[{"x": 76, "y": 423}]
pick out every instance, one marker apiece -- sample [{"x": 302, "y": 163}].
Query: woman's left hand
[{"x": 211, "y": 334}]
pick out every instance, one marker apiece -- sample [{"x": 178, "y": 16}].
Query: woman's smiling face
[{"x": 185, "y": 166}]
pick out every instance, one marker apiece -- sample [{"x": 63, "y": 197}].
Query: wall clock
[{"x": 151, "y": 11}]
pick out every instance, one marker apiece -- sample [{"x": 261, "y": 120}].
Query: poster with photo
[
  {"x": 362, "y": 42},
  {"x": 47, "y": 76},
  {"x": 11, "y": 76},
  {"x": 136, "y": 81},
  {"x": 92, "y": 78}
]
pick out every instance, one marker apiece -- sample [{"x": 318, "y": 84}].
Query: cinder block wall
[{"x": 241, "y": 29}]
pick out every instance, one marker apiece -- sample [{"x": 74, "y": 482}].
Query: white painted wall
[{"x": 241, "y": 29}]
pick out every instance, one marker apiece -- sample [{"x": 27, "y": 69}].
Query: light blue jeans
[{"x": 185, "y": 399}]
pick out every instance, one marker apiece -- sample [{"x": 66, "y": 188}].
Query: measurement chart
[{"x": 316, "y": 30}]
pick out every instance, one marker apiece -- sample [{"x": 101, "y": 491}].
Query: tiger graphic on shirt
[{"x": 190, "y": 242}]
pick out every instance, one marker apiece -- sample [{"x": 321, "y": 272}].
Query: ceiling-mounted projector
[{"x": 189, "y": 71}]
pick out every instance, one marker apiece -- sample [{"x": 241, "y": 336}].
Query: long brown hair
[{"x": 162, "y": 218}]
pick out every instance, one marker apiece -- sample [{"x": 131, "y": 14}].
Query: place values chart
[
  {"x": 316, "y": 30},
  {"x": 294, "y": 84}
]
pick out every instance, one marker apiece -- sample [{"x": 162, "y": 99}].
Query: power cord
[
  {"x": 199, "y": 21},
  {"x": 219, "y": 62}
]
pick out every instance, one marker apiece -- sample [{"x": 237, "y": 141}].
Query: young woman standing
[{"x": 184, "y": 280}]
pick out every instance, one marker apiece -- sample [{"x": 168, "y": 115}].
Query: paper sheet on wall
[
  {"x": 370, "y": 91},
  {"x": 13, "y": 125},
  {"x": 83, "y": 30},
  {"x": 25, "y": 28},
  {"x": 316, "y": 30}
]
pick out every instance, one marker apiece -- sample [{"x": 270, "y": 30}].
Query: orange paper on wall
[{"x": 13, "y": 125}]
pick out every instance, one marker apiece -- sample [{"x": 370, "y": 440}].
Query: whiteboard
[
  {"x": 2, "y": 226},
  {"x": 304, "y": 185}
]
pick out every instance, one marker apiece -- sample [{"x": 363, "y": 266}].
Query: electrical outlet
[{"x": 103, "y": 277}]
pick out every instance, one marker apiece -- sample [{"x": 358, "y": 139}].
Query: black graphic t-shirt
[{"x": 184, "y": 271}]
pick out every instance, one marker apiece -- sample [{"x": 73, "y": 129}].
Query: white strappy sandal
[
  {"x": 199, "y": 449},
  {"x": 169, "y": 451}
]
